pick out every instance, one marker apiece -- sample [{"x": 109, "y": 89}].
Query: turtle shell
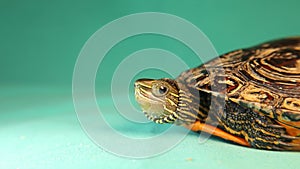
[
  {"x": 264, "y": 80},
  {"x": 267, "y": 78}
]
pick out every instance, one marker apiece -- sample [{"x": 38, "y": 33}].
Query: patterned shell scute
[{"x": 265, "y": 78}]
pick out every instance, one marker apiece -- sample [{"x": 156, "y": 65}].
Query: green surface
[
  {"x": 40, "y": 42},
  {"x": 39, "y": 129}
]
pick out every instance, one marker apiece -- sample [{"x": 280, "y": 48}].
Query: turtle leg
[
  {"x": 259, "y": 131},
  {"x": 198, "y": 126}
]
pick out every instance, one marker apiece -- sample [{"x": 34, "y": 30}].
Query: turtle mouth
[
  {"x": 141, "y": 97},
  {"x": 151, "y": 110},
  {"x": 140, "y": 91}
]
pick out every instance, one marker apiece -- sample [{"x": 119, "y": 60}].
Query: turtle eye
[{"x": 159, "y": 90}]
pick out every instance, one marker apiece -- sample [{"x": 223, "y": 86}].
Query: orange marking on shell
[
  {"x": 197, "y": 126},
  {"x": 291, "y": 130}
]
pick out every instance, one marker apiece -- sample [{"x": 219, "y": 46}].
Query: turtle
[{"x": 249, "y": 96}]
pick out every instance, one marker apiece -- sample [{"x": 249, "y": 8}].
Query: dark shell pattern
[{"x": 264, "y": 78}]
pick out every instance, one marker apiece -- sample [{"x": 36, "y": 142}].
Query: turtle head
[{"x": 158, "y": 99}]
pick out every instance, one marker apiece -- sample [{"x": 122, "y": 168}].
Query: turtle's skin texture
[{"x": 248, "y": 96}]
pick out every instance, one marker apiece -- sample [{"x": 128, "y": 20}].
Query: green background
[{"x": 40, "y": 41}]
